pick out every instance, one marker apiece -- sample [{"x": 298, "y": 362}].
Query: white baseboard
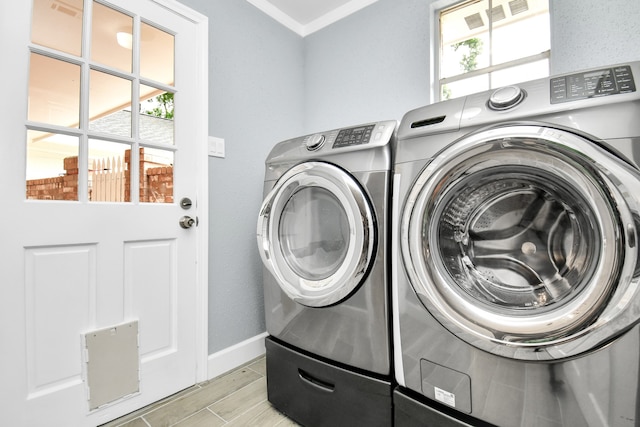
[{"x": 236, "y": 355}]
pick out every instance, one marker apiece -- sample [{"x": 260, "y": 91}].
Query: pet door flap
[{"x": 113, "y": 366}]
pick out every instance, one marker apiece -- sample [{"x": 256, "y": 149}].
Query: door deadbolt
[
  {"x": 186, "y": 203},
  {"x": 188, "y": 222}
]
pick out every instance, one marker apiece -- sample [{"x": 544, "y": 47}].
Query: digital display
[
  {"x": 609, "y": 81},
  {"x": 353, "y": 136}
]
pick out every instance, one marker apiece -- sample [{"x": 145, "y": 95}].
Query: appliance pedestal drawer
[
  {"x": 315, "y": 393},
  {"x": 410, "y": 412}
]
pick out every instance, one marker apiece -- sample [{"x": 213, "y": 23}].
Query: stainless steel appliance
[
  {"x": 516, "y": 275},
  {"x": 322, "y": 235}
]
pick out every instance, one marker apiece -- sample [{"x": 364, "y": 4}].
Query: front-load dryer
[
  {"x": 322, "y": 235},
  {"x": 516, "y": 263}
]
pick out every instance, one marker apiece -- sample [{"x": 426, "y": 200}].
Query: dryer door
[
  {"x": 316, "y": 233},
  {"x": 521, "y": 240}
]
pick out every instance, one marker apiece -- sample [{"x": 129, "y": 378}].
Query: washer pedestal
[
  {"x": 410, "y": 412},
  {"x": 316, "y": 393}
]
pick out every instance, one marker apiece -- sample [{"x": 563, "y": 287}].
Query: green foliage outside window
[
  {"x": 469, "y": 61},
  {"x": 163, "y": 106}
]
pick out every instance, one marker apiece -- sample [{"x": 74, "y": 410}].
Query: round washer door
[
  {"x": 316, "y": 234},
  {"x": 518, "y": 243}
]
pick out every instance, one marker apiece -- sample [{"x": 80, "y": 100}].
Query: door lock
[
  {"x": 188, "y": 222},
  {"x": 186, "y": 203}
]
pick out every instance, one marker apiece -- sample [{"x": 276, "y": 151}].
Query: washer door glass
[
  {"x": 513, "y": 240},
  {"x": 516, "y": 238},
  {"x": 316, "y": 234}
]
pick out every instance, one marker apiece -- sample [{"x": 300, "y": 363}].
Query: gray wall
[
  {"x": 255, "y": 100},
  {"x": 592, "y": 33},
  {"x": 372, "y": 65},
  {"x": 268, "y": 84}
]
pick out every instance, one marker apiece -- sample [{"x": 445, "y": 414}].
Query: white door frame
[{"x": 201, "y": 47}]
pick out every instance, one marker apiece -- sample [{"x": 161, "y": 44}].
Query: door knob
[{"x": 188, "y": 222}]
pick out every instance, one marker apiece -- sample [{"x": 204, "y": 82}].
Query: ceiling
[{"x": 307, "y": 16}]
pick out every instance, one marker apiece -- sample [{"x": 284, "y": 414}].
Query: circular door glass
[
  {"x": 513, "y": 240},
  {"x": 314, "y": 233},
  {"x": 516, "y": 239}
]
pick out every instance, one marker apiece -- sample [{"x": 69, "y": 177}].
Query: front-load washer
[
  {"x": 322, "y": 236},
  {"x": 516, "y": 264}
]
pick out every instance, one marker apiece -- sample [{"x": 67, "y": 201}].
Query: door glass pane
[
  {"x": 52, "y": 166},
  {"x": 109, "y": 104},
  {"x": 314, "y": 233},
  {"x": 111, "y": 37},
  {"x": 156, "y": 175},
  {"x": 49, "y": 16},
  {"x": 54, "y": 91},
  {"x": 156, "y": 115},
  {"x": 156, "y": 54},
  {"x": 109, "y": 171},
  {"x": 55, "y": 99}
]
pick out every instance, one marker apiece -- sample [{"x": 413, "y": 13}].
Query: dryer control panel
[
  {"x": 589, "y": 84},
  {"x": 353, "y": 136}
]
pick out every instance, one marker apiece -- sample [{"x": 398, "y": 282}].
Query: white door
[{"x": 101, "y": 306}]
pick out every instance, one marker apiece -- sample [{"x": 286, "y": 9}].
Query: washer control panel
[
  {"x": 353, "y": 136},
  {"x": 590, "y": 84}
]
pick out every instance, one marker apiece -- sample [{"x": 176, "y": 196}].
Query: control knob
[
  {"x": 506, "y": 97},
  {"x": 314, "y": 142}
]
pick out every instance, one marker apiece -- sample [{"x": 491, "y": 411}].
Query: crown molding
[
  {"x": 278, "y": 15},
  {"x": 315, "y": 25}
]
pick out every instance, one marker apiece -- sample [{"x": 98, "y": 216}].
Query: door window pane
[
  {"x": 111, "y": 37},
  {"x": 156, "y": 54},
  {"x": 49, "y": 16},
  {"x": 54, "y": 91},
  {"x": 109, "y": 171},
  {"x": 109, "y": 104},
  {"x": 55, "y": 100},
  {"x": 156, "y": 175},
  {"x": 156, "y": 115},
  {"x": 52, "y": 166}
]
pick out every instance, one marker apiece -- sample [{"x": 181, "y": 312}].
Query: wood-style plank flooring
[{"x": 237, "y": 398}]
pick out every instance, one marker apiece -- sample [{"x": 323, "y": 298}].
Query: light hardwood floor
[{"x": 238, "y": 398}]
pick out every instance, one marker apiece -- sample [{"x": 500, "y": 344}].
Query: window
[
  {"x": 486, "y": 44},
  {"x": 101, "y": 106}
]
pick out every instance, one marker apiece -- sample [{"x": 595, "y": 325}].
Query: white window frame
[{"x": 436, "y": 9}]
